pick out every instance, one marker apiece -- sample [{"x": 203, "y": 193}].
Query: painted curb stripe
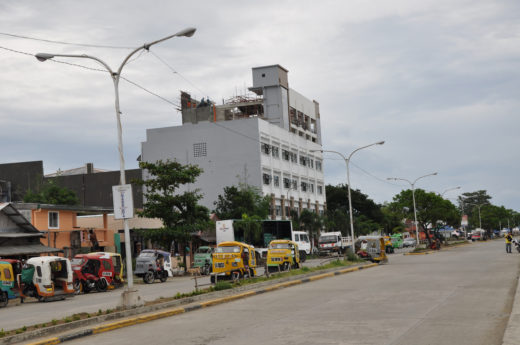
[
  {"x": 51, "y": 341},
  {"x": 164, "y": 314}
]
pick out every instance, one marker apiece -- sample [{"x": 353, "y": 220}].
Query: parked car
[{"x": 409, "y": 242}]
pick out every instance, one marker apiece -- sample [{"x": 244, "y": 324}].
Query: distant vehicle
[
  {"x": 233, "y": 260},
  {"x": 203, "y": 259},
  {"x": 332, "y": 242},
  {"x": 409, "y": 242},
  {"x": 99, "y": 271},
  {"x": 153, "y": 264},
  {"x": 397, "y": 241},
  {"x": 479, "y": 235},
  {"x": 228, "y": 231},
  {"x": 302, "y": 239},
  {"x": 282, "y": 256},
  {"x": 9, "y": 286},
  {"x": 371, "y": 248},
  {"x": 47, "y": 278}
]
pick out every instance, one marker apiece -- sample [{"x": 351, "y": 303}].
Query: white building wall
[{"x": 232, "y": 153}]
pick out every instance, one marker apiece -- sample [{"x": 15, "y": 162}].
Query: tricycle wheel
[
  {"x": 77, "y": 286},
  {"x": 149, "y": 277},
  {"x": 164, "y": 276},
  {"x": 84, "y": 286},
  {"x": 41, "y": 298},
  {"x": 303, "y": 256},
  {"x": 4, "y": 299},
  {"x": 101, "y": 285},
  {"x": 212, "y": 279}
]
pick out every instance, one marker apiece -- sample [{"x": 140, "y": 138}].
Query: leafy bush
[{"x": 222, "y": 286}]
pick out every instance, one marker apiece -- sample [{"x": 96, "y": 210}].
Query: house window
[
  {"x": 266, "y": 148},
  {"x": 54, "y": 220},
  {"x": 199, "y": 150},
  {"x": 276, "y": 181},
  {"x": 276, "y": 151},
  {"x": 267, "y": 178}
]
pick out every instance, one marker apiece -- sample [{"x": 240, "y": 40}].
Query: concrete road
[
  {"x": 458, "y": 296},
  {"x": 33, "y": 312}
]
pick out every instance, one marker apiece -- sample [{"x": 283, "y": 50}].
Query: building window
[
  {"x": 295, "y": 184},
  {"x": 199, "y": 150},
  {"x": 54, "y": 220},
  {"x": 267, "y": 178},
  {"x": 294, "y": 157},
  {"x": 311, "y": 187},
  {"x": 286, "y": 155},
  {"x": 318, "y": 165},
  {"x": 304, "y": 186},
  {"x": 278, "y": 210},
  {"x": 286, "y": 182},
  {"x": 276, "y": 181},
  {"x": 310, "y": 163},
  {"x": 320, "y": 190},
  {"x": 266, "y": 148},
  {"x": 276, "y": 151},
  {"x": 303, "y": 160}
]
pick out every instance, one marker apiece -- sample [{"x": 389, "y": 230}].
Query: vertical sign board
[
  {"x": 464, "y": 221},
  {"x": 123, "y": 201}
]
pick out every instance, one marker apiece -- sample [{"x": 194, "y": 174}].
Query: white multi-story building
[{"x": 271, "y": 141}]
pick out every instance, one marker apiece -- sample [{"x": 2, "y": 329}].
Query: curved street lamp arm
[
  {"x": 364, "y": 147},
  {"x": 417, "y": 179}
]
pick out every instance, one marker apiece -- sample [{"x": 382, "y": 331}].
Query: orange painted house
[{"x": 59, "y": 224}]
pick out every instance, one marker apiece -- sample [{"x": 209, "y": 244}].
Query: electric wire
[
  {"x": 65, "y": 43},
  {"x": 176, "y": 72},
  {"x": 177, "y": 106}
]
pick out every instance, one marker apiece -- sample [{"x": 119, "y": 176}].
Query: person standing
[{"x": 509, "y": 238}]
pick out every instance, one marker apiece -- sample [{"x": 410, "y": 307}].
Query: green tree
[
  {"x": 468, "y": 202},
  {"x": 367, "y": 215},
  {"x": 51, "y": 193},
  {"x": 239, "y": 200},
  {"x": 180, "y": 212},
  {"x": 431, "y": 208}
]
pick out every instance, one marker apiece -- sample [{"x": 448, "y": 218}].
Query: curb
[
  {"x": 421, "y": 253},
  {"x": 512, "y": 332},
  {"x": 195, "y": 306}
]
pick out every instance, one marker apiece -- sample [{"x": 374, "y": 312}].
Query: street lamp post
[
  {"x": 448, "y": 190},
  {"x": 413, "y": 198},
  {"x": 347, "y": 161},
  {"x": 132, "y": 297}
]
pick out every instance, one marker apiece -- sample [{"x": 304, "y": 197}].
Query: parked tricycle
[
  {"x": 233, "y": 260},
  {"x": 97, "y": 271},
  {"x": 46, "y": 278},
  {"x": 9, "y": 287},
  {"x": 203, "y": 259},
  {"x": 371, "y": 248},
  {"x": 153, "y": 264},
  {"x": 282, "y": 255}
]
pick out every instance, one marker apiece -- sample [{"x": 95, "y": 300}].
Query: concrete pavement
[{"x": 460, "y": 296}]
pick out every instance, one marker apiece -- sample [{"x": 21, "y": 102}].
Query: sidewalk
[{"x": 512, "y": 333}]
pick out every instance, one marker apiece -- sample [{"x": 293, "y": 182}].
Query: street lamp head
[
  {"x": 188, "y": 32},
  {"x": 380, "y": 143},
  {"x": 44, "y": 56},
  {"x": 434, "y": 173}
]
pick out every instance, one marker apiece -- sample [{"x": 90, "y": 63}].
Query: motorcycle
[{"x": 516, "y": 244}]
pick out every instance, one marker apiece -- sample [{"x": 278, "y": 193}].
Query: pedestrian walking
[{"x": 509, "y": 239}]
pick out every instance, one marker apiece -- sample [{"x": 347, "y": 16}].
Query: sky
[{"x": 437, "y": 80}]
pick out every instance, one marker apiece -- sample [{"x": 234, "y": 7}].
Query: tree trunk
[{"x": 184, "y": 257}]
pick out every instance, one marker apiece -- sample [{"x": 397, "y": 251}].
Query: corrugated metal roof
[
  {"x": 13, "y": 214},
  {"x": 20, "y": 234},
  {"x": 28, "y": 249}
]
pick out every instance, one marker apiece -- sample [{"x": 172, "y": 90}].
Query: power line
[
  {"x": 65, "y": 43},
  {"x": 176, "y": 72},
  {"x": 98, "y": 70}
]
